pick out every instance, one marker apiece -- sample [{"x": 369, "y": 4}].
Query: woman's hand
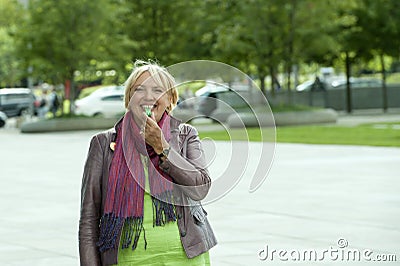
[{"x": 153, "y": 134}]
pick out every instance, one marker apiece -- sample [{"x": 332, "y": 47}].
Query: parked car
[
  {"x": 106, "y": 102},
  {"x": 357, "y": 83},
  {"x": 16, "y": 101},
  {"x": 339, "y": 84},
  {"x": 306, "y": 86},
  {"x": 3, "y": 119},
  {"x": 209, "y": 96},
  {"x": 107, "y": 89}
]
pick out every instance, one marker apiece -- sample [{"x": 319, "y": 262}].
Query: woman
[{"x": 143, "y": 181}]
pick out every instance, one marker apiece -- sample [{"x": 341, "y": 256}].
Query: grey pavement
[{"x": 313, "y": 196}]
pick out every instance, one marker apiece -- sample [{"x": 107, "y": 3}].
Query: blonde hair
[{"x": 160, "y": 75}]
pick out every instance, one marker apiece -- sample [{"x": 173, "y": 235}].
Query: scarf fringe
[
  {"x": 163, "y": 210},
  {"x": 131, "y": 227},
  {"x": 110, "y": 227}
]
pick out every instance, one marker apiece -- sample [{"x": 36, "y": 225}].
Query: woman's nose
[{"x": 149, "y": 95}]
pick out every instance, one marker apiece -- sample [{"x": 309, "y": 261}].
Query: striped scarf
[{"x": 123, "y": 210}]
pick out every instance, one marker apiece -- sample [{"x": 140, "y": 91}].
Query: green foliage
[
  {"x": 252, "y": 33},
  {"x": 63, "y": 36},
  {"x": 167, "y": 31},
  {"x": 11, "y": 67},
  {"x": 85, "y": 40},
  {"x": 378, "y": 26},
  {"x": 315, "y": 26},
  {"x": 372, "y": 135}
]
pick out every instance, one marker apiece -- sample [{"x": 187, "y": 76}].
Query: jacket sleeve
[
  {"x": 188, "y": 167},
  {"x": 91, "y": 205}
]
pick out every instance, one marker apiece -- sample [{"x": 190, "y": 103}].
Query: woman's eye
[{"x": 139, "y": 89}]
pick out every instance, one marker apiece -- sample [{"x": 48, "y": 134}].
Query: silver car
[
  {"x": 16, "y": 101},
  {"x": 212, "y": 95}
]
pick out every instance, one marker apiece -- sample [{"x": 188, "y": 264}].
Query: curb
[
  {"x": 67, "y": 124},
  {"x": 306, "y": 117},
  {"x": 282, "y": 119}
]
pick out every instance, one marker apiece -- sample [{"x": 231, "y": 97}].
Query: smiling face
[{"x": 147, "y": 94}]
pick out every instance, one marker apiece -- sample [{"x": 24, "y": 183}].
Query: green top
[{"x": 164, "y": 245}]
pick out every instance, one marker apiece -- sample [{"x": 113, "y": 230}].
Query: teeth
[{"x": 147, "y": 109}]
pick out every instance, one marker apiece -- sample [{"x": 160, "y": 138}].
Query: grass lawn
[{"x": 376, "y": 134}]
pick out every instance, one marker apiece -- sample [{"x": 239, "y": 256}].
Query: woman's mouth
[{"x": 148, "y": 109}]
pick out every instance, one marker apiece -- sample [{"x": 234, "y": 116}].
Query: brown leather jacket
[{"x": 185, "y": 164}]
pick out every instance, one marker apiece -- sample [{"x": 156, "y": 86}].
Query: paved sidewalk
[{"x": 314, "y": 195}]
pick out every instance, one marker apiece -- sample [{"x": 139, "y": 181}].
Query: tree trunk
[
  {"x": 384, "y": 89},
  {"x": 272, "y": 75},
  {"x": 72, "y": 92},
  {"x": 348, "y": 89},
  {"x": 261, "y": 75},
  {"x": 262, "y": 83},
  {"x": 296, "y": 75},
  {"x": 289, "y": 90},
  {"x": 290, "y": 51}
]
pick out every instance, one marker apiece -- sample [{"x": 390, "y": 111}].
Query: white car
[
  {"x": 104, "y": 102},
  {"x": 212, "y": 94},
  {"x": 3, "y": 119},
  {"x": 340, "y": 84}
]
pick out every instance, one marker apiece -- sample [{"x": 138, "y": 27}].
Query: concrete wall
[{"x": 362, "y": 98}]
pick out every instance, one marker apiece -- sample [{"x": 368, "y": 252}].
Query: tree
[
  {"x": 166, "y": 31},
  {"x": 311, "y": 34},
  {"x": 254, "y": 36},
  {"x": 10, "y": 64},
  {"x": 344, "y": 29},
  {"x": 65, "y": 36},
  {"x": 378, "y": 32},
  {"x": 316, "y": 31}
]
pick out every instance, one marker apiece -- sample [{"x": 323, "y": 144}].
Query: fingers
[
  {"x": 144, "y": 121},
  {"x": 152, "y": 134},
  {"x": 149, "y": 127}
]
